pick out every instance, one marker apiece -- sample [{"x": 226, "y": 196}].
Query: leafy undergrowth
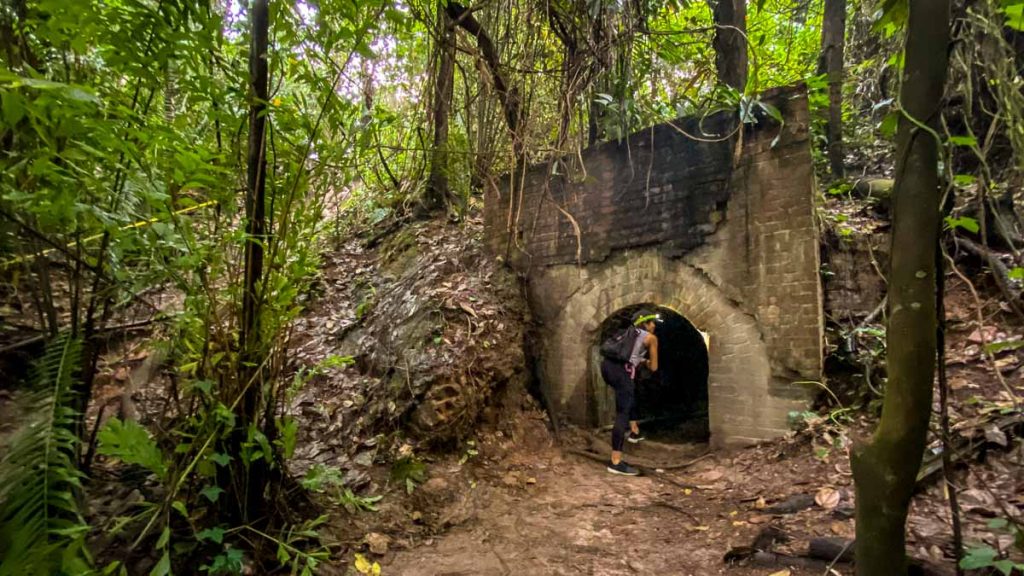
[{"x": 419, "y": 443}]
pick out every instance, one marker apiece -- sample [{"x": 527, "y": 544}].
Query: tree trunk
[
  {"x": 833, "y": 41},
  {"x": 248, "y": 482},
  {"x": 886, "y": 467},
  {"x": 731, "y": 42},
  {"x": 437, "y": 182}
]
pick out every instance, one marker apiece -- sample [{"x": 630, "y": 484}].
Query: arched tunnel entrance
[{"x": 672, "y": 404}]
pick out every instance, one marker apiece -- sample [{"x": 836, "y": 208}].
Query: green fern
[
  {"x": 41, "y": 528},
  {"x": 129, "y": 442}
]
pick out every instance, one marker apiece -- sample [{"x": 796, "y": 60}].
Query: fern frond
[{"x": 41, "y": 528}]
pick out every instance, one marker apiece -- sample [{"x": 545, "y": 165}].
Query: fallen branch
[
  {"x": 39, "y": 339},
  {"x": 1000, "y": 273},
  {"x": 831, "y": 549},
  {"x": 964, "y": 447}
]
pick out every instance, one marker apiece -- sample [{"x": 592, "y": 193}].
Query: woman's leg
[{"x": 617, "y": 377}]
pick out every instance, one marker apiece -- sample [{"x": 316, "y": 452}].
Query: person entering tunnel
[
  {"x": 671, "y": 403},
  {"x": 624, "y": 354}
]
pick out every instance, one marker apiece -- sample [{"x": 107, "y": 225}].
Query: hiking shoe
[
  {"x": 623, "y": 469},
  {"x": 634, "y": 438}
]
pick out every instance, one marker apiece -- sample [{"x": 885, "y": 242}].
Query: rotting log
[{"x": 885, "y": 468}]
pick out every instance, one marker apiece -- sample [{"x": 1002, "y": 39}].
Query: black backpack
[{"x": 619, "y": 347}]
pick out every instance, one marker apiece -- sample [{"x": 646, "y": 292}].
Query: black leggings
[{"x": 616, "y": 376}]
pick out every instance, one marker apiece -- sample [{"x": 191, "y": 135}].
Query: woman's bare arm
[{"x": 652, "y": 348}]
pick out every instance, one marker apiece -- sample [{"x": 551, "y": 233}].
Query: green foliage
[
  {"x": 408, "y": 471},
  {"x": 320, "y": 477},
  {"x": 227, "y": 562},
  {"x": 41, "y": 529},
  {"x": 328, "y": 479},
  {"x": 984, "y": 556},
  {"x": 131, "y": 443},
  {"x": 1003, "y": 346},
  {"x": 470, "y": 452},
  {"x": 800, "y": 420},
  {"x": 964, "y": 222},
  {"x": 1014, "y": 12},
  {"x": 891, "y": 16},
  {"x": 354, "y": 503}
]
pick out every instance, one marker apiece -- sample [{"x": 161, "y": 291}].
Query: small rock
[
  {"x": 511, "y": 479},
  {"x": 531, "y": 480},
  {"x": 356, "y": 479},
  {"x": 434, "y": 486},
  {"x": 417, "y": 516},
  {"x": 378, "y": 543},
  {"x": 711, "y": 475},
  {"x": 364, "y": 459}
]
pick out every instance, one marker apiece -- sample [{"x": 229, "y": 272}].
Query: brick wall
[{"x": 727, "y": 239}]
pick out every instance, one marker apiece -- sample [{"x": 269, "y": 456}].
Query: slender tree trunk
[
  {"x": 249, "y": 482},
  {"x": 885, "y": 468},
  {"x": 507, "y": 95},
  {"x": 437, "y": 182},
  {"x": 731, "y": 42},
  {"x": 833, "y": 41}
]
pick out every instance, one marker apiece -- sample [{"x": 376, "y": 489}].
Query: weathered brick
[{"x": 717, "y": 242}]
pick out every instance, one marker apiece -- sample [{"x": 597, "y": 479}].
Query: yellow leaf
[
  {"x": 362, "y": 564},
  {"x": 785, "y": 572},
  {"x": 687, "y": 491},
  {"x": 376, "y": 569}
]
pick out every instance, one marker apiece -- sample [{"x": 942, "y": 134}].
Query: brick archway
[
  {"x": 741, "y": 407},
  {"x": 723, "y": 231}
]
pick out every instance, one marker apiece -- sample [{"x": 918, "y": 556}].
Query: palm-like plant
[{"x": 41, "y": 528}]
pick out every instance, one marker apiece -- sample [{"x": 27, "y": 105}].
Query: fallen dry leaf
[
  {"x": 827, "y": 498},
  {"x": 785, "y": 572},
  {"x": 467, "y": 309},
  {"x": 841, "y": 529},
  {"x": 994, "y": 435},
  {"x": 711, "y": 475}
]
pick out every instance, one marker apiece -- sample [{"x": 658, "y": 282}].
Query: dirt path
[{"x": 578, "y": 519}]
